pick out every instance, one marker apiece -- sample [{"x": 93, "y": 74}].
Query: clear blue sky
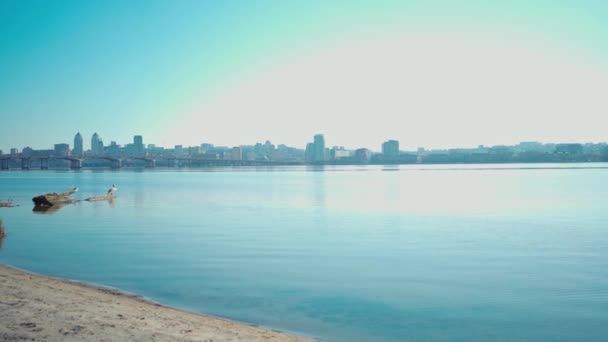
[{"x": 429, "y": 73}]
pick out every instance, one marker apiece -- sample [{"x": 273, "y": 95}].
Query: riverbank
[{"x": 35, "y": 307}]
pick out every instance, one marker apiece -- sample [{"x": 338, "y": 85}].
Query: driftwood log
[
  {"x": 109, "y": 196},
  {"x": 54, "y": 198}
]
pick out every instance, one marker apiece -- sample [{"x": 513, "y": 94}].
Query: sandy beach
[{"x": 39, "y": 308}]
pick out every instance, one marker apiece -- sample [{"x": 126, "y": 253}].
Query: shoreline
[{"x": 39, "y": 307}]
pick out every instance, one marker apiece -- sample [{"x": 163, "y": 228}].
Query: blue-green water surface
[{"x": 395, "y": 253}]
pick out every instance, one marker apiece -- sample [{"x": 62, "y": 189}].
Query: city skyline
[
  {"x": 317, "y": 150},
  {"x": 438, "y": 74},
  {"x": 137, "y": 154}
]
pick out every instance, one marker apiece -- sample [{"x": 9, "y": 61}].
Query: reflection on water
[
  {"x": 111, "y": 202},
  {"x": 138, "y": 197},
  {"x": 383, "y": 254},
  {"x": 50, "y": 210}
]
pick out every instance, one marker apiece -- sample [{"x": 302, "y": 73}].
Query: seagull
[{"x": 112, "y": 190}]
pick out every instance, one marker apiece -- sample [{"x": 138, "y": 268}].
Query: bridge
[
  {"x": 26, "y": 161},
  {"x": 77, "y": 163}
]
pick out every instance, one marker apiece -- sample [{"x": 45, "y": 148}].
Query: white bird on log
[{"x": 112, "y": 190}]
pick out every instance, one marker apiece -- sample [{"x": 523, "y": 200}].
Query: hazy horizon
[{"x": 433, "y": 74}]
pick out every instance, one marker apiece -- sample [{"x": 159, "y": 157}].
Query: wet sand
[{"x": 39, "y": 308}]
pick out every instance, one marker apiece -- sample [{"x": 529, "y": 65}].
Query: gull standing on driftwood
[{"x": 112, "y": 190}]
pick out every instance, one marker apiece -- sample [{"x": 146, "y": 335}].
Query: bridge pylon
[
  {"x": 26, "y": 163},
  {"x": 44, "y": 163},
  {"x": 75, "y": 164}
]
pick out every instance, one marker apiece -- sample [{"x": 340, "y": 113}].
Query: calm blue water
[{"x": 471, "y": 253}]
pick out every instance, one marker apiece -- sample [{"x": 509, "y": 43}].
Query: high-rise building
[
  {"x": 390, "y": 150},
  {"x": 100, "y": 147},
  {"x": 269, "y": 150},
  {"x": 237, "y": 153},
  {"x": 14, "y": 151},
  {"x": 138, "y": 142},
  {"x": 319, "y": 148},
  {"x": 113, "y": 149},
  {"x": 78, "y": 148},
  {"x": 95, "y": 145},
  {"x": 309, "y": 153},
  {"x": 363, "y": 155},
  {"x": 61, "y": 150}
]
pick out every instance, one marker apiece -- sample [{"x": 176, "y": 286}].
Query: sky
[{"x": 429, "y": 73}]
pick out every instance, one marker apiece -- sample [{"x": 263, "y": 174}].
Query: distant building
[
  {"x": 28, "y": 151},
  {"x": 114, "y": 149},
  {"x": 138, "y": 144},
  {"x": 390, "y": 150},
  {"x": 530, "y": 146},
  {"x": 210, "y": 156},
  {"x": 152, "y": 149},
  {"x": 319, "y": 148},
  {"x": 95, "y": 143},
  {"x": 309, "y": 153},
  {"x": 206, "y": 147},
  {"x": 269, "y": 150},
  {"x": 194, "y": 151},
  {"x": 100, "y": 147},
  {"x": 339, "y": 153},
  {"x": 236, "y": 153},
  {"x": 327, "y": 154},
  {"x": 14, "y": 151},
  {"x": 363, "y": 155},
  {"x": 178, "y": 151},
  {"x": 571, "y": 149},
  {"x": 78, "y": 150},
  {"x": 285, "y": 152},
  {"x": 61, "y": 150},
  {"x": 131, "y": 150}
]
